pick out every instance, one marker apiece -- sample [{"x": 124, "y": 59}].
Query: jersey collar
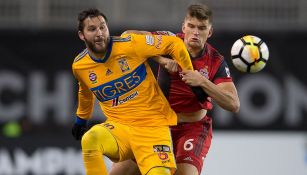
[{"x": 201, "y": 53}]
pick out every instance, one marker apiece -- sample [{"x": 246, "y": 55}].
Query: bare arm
[
  {"x": 225, "y": 94},
  {"x": 169, "y": 64}
]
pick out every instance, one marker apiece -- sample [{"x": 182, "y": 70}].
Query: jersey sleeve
[
  {"x": 222, "y": 74},
  {"x": 85, "y": 101},
  {"x": 152, "y": 45}
]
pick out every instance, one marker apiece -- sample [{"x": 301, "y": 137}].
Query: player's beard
[{"x": 98, "y": 50}]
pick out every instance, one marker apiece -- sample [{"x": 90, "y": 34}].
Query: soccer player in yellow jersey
[{"x": 115, "y": 71}]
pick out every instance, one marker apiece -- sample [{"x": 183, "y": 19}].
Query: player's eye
[
  {"x": 191, "y": 26},
  {"x": 91, "y": 28},
  {"x": 202, "y": 28}
]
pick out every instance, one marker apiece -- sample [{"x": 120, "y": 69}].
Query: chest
[
  {"x": 206, "y": 66},
  {"x": 115, "y": 69}
]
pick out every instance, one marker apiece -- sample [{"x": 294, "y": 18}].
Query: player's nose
[
  {"x": 99, "y": 32},
  {"x": 196, "y": 31}
]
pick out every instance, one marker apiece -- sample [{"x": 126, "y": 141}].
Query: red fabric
[
  {"x": 192, "y": 141},
  {"x": 181, "y": 97}
]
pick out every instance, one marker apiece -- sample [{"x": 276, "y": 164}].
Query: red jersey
[{"x": 211, "y": 65}]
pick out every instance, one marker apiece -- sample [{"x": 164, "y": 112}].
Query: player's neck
[{"x": 195, "y": 52}]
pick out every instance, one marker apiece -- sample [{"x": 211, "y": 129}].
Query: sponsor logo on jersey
[
  {"x": 120, "y": 86},
  {"x": 162, "y": 151},
  {"x": 159, "y": 42},
  {"x": 165, "y": 33},
  {"x": 161, "y": 148},
  {"x": 93, "y": 77},
  {"x": 149, "y": 40},
  {"x": 188, "y": 159},
  {"x": 118, "y": 101},
  {"x": 204, "y": 72},
  {"x": 123, "y": 64}
]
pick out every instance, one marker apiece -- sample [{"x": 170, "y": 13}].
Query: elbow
[{"x": 235, "y": 106}]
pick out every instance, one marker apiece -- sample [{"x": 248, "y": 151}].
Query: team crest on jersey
[
  {"x": 123, "y": 64},
  {"x": 93, "y": 77},
  {"x": 204, "y": 72}
]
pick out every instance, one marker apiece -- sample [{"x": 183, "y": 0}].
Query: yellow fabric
[
  {"x": 149, "y": 149},
  {"x": 94, "y": 163},
  {"x": 124, "y": 83},
  {"x": 159, "y": 171},
  {"x": 96, "y": 142},
  {"x": 152, "y": 148}
]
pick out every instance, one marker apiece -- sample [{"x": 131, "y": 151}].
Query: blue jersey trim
[
  {"x": 120, "y": 39},
  {"x": 81, "y": 55},
  {"x": 120, "y": 86},
  {"x": 80, "y": 121}
]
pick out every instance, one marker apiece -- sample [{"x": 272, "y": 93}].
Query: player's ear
[
  {"x": 183, "y": 27},
  {"x": 81, "y": 36},
  {"x": 210, "y": 32}
]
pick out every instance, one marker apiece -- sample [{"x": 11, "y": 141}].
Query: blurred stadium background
[{"x": 38, "y": 42}]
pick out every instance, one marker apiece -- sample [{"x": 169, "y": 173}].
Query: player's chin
[
  {"x": 100, "y": 49},
  {"x": 195, "y": 44}
]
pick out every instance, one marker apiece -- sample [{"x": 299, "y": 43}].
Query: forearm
[
  {"x": 159, "y": 59},
  {"x": 227, "y": 99},
  {"x": 180, "y": 54},
  {"x": 86, "y": 102}
]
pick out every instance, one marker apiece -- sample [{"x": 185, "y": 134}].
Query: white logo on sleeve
[
  {"x": 150, "y": 40},
  {"x": 227, "y": 71}
]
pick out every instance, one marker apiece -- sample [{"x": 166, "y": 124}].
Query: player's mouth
[
  {"x": 99, "y": 42},
  {"x": 194, "y": 40}
]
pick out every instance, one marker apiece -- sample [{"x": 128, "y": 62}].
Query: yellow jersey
[{"x": 123, "y": 82}]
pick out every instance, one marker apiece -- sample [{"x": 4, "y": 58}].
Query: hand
[
  {"x": 79, "y": 128},
  {"x": 169, "y": 64},
  {"x": 192, "y": 78}
]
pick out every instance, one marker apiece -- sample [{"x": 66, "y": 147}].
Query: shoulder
[
  {"x": 122, "y": 38},
  {"x": 80, "y": 55}
]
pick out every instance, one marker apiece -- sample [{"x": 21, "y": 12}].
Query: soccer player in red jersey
[{"x": 190, "y": 94}]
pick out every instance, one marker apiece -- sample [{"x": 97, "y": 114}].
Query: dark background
[{"x": 36, "y": 60}]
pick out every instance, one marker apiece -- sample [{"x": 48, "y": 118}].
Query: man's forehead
[
  {"x": 195, "y": 21},
  {"x": 94, "y": 20}
]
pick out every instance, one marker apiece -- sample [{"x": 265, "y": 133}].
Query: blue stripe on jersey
[
  {"x": 120, "y": 39},
  {"x": 120, "y": 86},
  {"x": 109, "y": 50},
  {"x": 81, "y": 55}
]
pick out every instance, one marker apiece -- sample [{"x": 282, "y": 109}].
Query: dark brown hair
[
  {"x": 199, "y": 11},
  {"x": 92, "y": 12}
]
